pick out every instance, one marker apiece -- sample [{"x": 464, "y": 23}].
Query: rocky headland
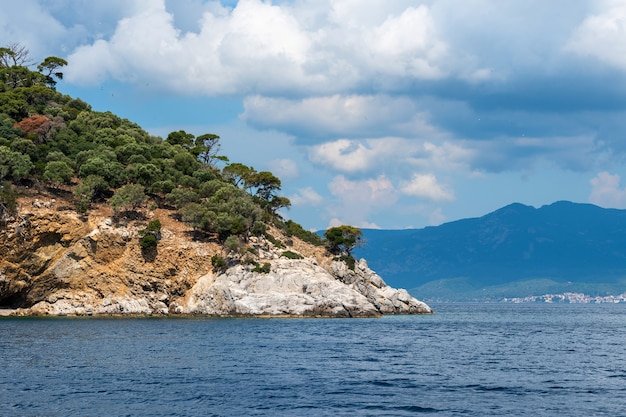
[{"x": 54, "y": 261}]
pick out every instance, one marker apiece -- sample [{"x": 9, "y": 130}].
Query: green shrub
[
  {"x": 154, "y": 226},
  {"x": 294, "y": 229},
  {"x": 218, "y": 262},
  {"x": 150, "y": 236},
  {"x": 8, "y": 197},
  {"x": 264, "y": 269},
  {"x": 291, "y": 255},
  {"x": 349, "y": 260},
  {"x": 274, "y": 241},
  {"x": 232, "y": 244},
  {"x": 148, "y": 241}
]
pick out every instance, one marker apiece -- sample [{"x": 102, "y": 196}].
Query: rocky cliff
[{"x": 56, "y": 262}]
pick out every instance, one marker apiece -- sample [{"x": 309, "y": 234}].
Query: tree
[
  {"x": 40, "y": 125},
  {"x": 343, "y": 239},
  {"x": 238, "y": 174},
  {"x": 14, "y": 55},
  {"x": 92, "y": 187},
  {"x": 58, "y": 172},
  {"x": 50, "y": 67},
  {"x": 180, "y": 197},
  {"x": 14, "y": 165},
  {"x": 144, "y": 174},
  {"x": 24, "y": 146},
  {"x": 112, "y": 171},
  {"x": 207, "y": 147},
  {"x": 276, "y": 203},
  {"x": 8, "y": 202},
  {"x": 128, "y": 198},
  {"x": 14, "y": 62},
  {"x": 181, "y": 138},
  {"x": 266, "y": 184},
  {"x": 185, "y": 163}
]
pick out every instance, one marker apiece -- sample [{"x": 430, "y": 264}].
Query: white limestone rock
[
  {"x": 387, "y": 300},
  {"x": 291, "y": 288},
  {"x": 299, "y": 288}
]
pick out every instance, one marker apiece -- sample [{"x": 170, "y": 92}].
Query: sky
[{"x": 374, "y": 113}]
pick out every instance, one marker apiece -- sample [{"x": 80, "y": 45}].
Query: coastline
[{"x": 6, "y": 312}]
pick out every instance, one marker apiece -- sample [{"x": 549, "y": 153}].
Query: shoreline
[{"x": 6, "y": 312}]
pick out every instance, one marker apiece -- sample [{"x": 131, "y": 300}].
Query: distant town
[{"x": 569, "y": 297}]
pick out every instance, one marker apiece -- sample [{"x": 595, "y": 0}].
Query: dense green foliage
[{"x": 48, "y": 139}]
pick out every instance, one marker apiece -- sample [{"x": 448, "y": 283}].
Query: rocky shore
[{"x": 53, "y": 262}]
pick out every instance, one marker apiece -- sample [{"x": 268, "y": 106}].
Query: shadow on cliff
[{"x": 149, "y": 254}]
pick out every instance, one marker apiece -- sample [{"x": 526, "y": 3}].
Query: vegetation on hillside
[{"x": 53, "y": 141}]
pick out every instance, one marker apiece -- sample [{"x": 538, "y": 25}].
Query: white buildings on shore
[{"x": 568, "y": 297}]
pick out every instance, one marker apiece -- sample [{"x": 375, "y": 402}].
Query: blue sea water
[{"x": 466, "y": 360}]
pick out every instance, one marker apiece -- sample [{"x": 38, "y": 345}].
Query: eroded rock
[{"x": 69, "y": 266}]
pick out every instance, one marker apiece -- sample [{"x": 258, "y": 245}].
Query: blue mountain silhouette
[{"x": 581, "y": 245}]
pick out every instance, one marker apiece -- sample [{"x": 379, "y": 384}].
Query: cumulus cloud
[
  {"x": 394, "y": 154},
  {"x": 340, "y": 115},
  {"x": 284, "y": 168},
  {"x": 31, "y": 25},
  {"x": 257, "y": 46},
  {"x": 356, "y": 201},
  {"x": 306, "y": 197},
  {"x": 607, "y": 191},
  {"x": 351, "y": 155},
  {"x": 426, "y": 186},
  {"x": 603, "y": 34}
]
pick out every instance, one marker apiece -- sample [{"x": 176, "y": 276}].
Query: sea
[{"x": 465, "y": 360}]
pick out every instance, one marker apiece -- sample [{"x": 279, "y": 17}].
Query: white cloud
[
  {"x": 449, "y": 156},
  {"x": 606, "y": 191},
  {"x": 426, "y": 186},
  {"x": 306, "y": 197},
  {"x": 340, "y": 115},
  {"x": 408, "y": 45},
  {"x": 356, "y": 201},
  {"x": 343, "y": 155},
  {"x": 31, "y": 25},
  {"x": 394, "y": 154},
  {"x": 284, "y": 168},
  {"x": 603, "y": 35},
  {"x": 261, "y": 47}
]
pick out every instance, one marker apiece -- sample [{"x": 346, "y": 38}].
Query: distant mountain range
[{"x": 515, "y": 251}]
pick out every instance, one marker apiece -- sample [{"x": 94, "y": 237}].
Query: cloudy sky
[{"x": 375, "y": 113}]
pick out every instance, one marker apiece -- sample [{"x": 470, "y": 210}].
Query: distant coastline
[{"x": 569, "y": 298}]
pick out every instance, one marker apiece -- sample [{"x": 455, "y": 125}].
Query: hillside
[
  {"x": 99, "y": 217},
  {"x": 516, "y": 251}
]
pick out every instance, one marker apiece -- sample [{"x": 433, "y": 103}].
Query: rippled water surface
[{"x": 468, "y": 359}]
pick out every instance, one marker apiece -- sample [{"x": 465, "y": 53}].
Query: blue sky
[{"x": 385, "y": 114}]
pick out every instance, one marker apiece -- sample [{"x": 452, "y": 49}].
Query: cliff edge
[{"x": 54, "y": 261}]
